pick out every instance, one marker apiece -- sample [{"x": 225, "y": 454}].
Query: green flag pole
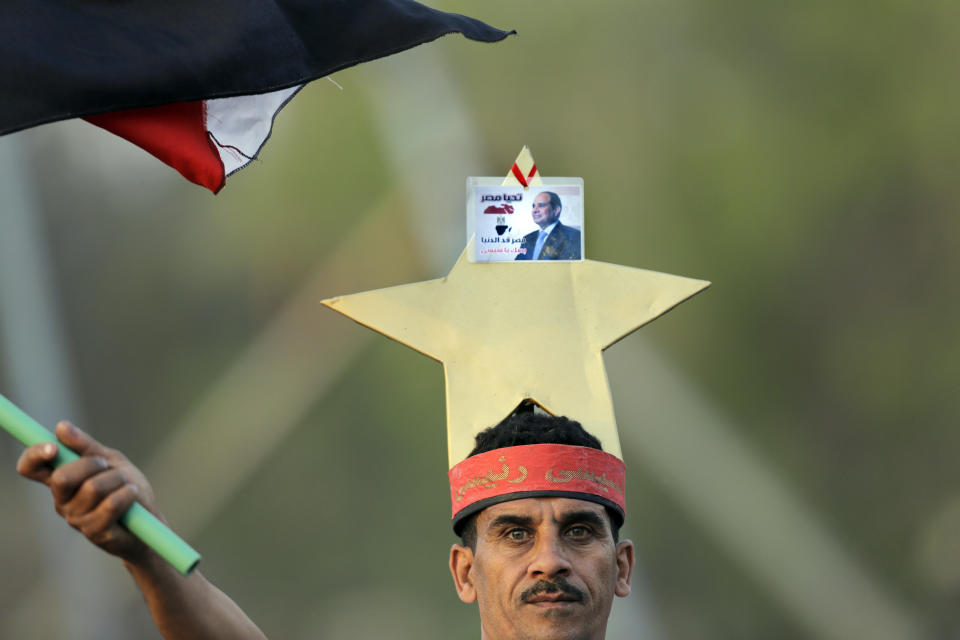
[{"x": 140, "y": 522}]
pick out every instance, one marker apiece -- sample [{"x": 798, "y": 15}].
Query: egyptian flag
[{"x": 196, "y": 83}]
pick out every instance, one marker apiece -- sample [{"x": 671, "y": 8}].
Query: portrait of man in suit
[{"x": 554, "y": 240}]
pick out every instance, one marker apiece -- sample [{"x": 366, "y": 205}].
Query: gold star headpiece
[{"x": 509, "y": 332}]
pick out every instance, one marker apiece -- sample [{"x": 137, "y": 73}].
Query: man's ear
[
  {"x": 461, "y": 561},
  {"x": 624, "y": 568}
]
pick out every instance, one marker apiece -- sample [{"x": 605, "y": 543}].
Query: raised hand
[{"x": 91, "y": 493}]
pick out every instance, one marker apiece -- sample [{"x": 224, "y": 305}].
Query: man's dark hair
[
  {"x": 528, "y": 427},
  {"x": 554, "y": 199}
]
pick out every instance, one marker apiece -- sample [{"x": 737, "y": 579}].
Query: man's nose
[{"x": 550, "y": 558}]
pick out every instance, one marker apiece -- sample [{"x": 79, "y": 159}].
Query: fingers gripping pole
[{"x": 140, "y": 522}]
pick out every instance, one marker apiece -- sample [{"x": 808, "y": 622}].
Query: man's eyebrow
[
  {"x": 510, "y": 519},
  {"x": 582, "y": 517}
]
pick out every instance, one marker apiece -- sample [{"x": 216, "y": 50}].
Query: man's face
[
  {"x": 543, "y": 213},
  {"x": 543, "y": 569}
]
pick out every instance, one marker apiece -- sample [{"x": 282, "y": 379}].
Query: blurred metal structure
[
  {"x": 302, "y": 352},
  {"x": 37, "y": 365},
  {"x": 743, "y": 504}
]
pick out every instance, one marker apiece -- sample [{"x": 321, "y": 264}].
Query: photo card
[{"x": 511, "y": 223}]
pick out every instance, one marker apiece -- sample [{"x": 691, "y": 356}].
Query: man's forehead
[{"x": 538, "y": 509}]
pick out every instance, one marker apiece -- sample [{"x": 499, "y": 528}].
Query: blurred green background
[{"x": 790, "y": 434}]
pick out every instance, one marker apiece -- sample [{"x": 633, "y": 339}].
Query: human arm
[{"x": 91, "y": 494}]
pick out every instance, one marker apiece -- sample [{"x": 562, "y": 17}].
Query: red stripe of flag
[{"x": 174, "y": 133}]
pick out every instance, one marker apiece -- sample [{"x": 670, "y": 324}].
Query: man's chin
[{"x": 555, "y": 623}]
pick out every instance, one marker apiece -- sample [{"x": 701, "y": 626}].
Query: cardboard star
[{"x": 506, "y": 332}]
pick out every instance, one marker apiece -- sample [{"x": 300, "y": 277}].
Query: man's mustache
[{"x": 560, "y": 585}]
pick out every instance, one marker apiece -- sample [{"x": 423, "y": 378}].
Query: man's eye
[
  {"x": 517, "y": 534},
  {"x": 578, "y": 531}
]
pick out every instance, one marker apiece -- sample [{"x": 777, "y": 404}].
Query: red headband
[{"x": 536, "y": 470}]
